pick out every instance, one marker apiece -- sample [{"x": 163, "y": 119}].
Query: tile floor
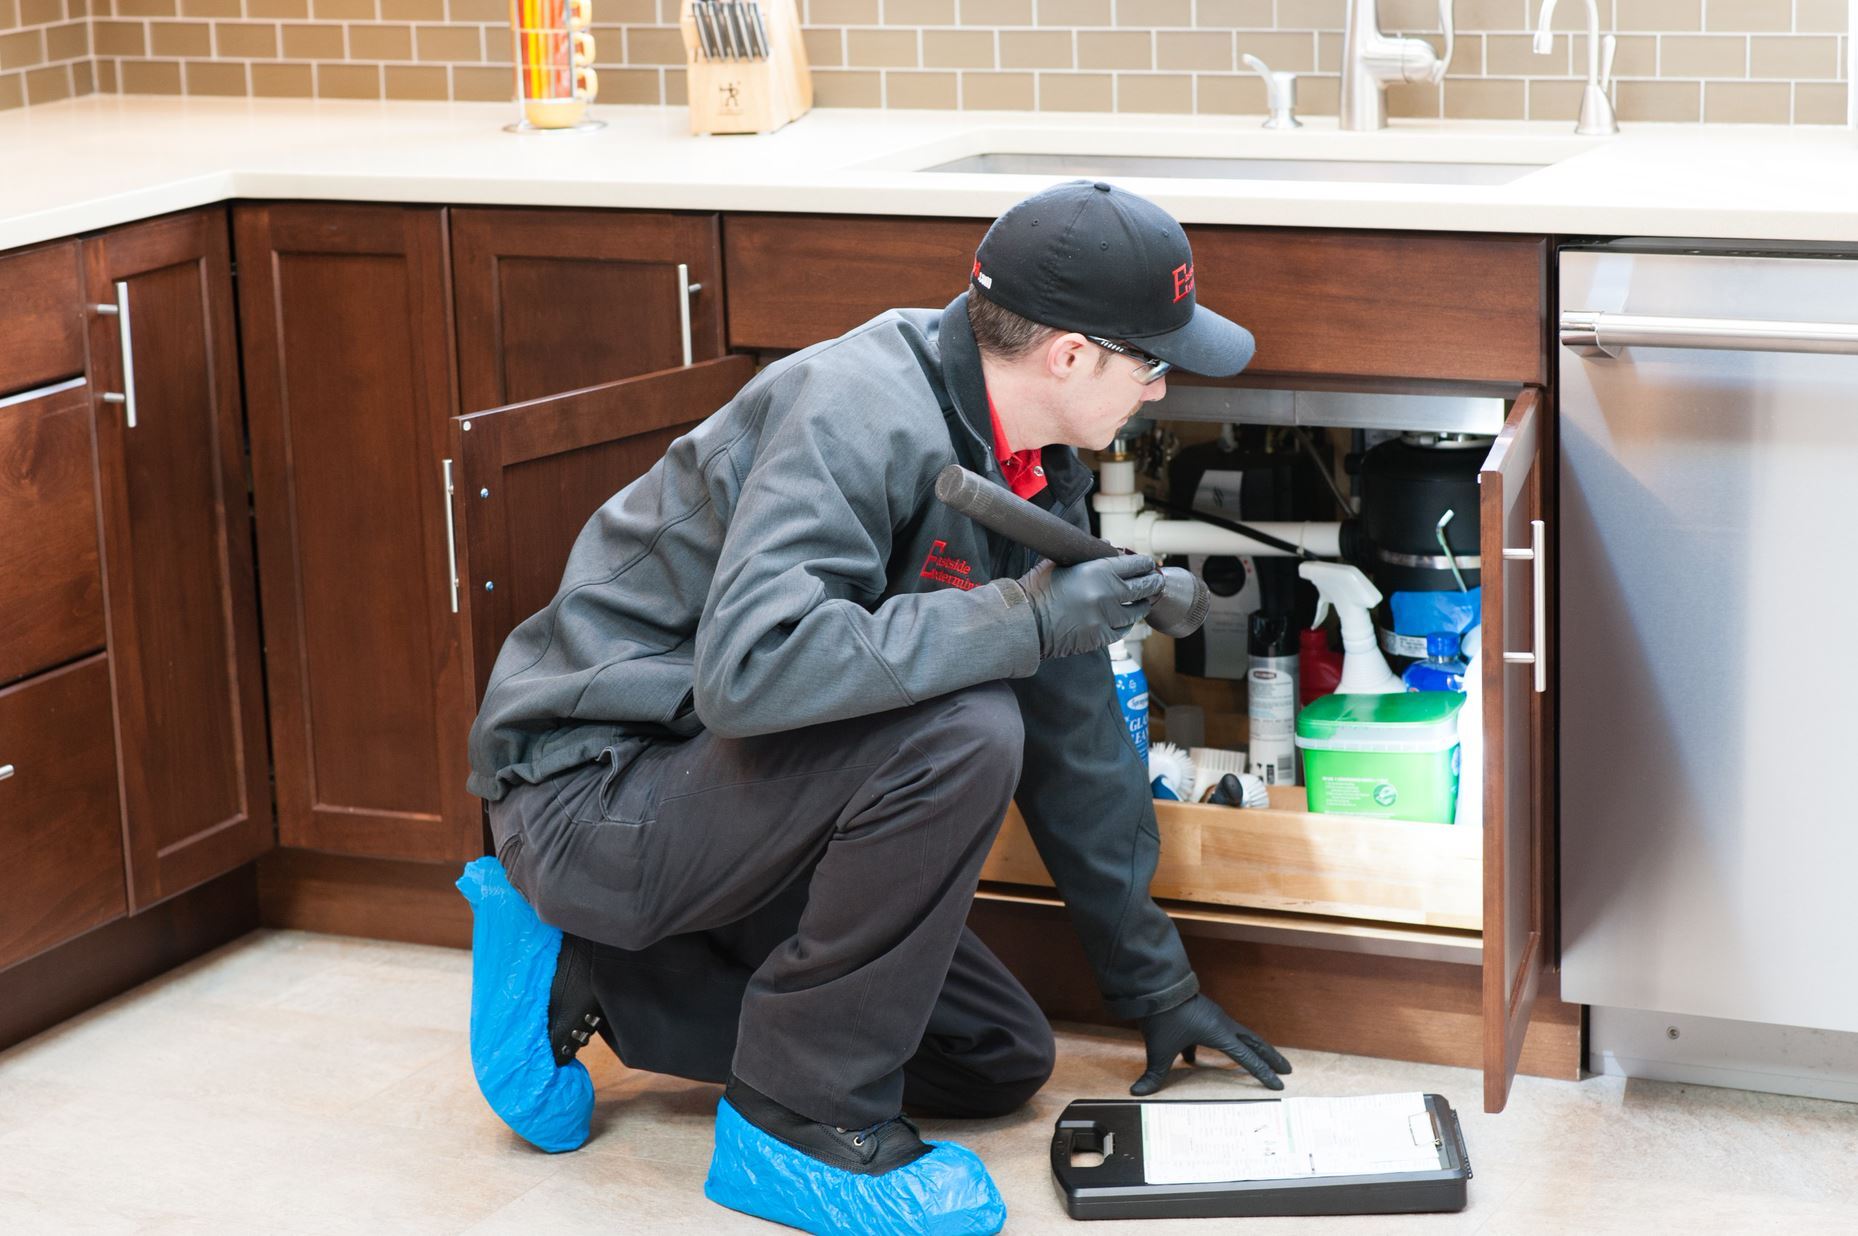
[{"x": 300, "y": 1083}]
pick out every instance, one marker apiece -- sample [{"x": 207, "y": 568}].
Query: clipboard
[{"x": 1118, "y": 1188}]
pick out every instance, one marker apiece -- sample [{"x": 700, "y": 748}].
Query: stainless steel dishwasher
[{"x": 1709, "y": 599}]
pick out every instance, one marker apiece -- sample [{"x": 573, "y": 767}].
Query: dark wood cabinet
[
  {"x": 530, "y": 475},
  {"x": 51, "y": 575},
  {"x": 346, "y": 316},
  {"x": 555, "y": 300},
  {"x": 1518, "y": 706},
  {"x": 1425, "y": 306},
  {"x": 797, "y": 279},
  {"x": 1402, "y": 305},
  {"x": 61, "y": 844},
  {"x": 398, "y": 542},
  {"x": 41, "y": 319},
  {"x": 183, "y": 621}
]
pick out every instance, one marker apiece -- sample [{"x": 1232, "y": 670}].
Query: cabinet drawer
[
  {"x": 1420, "y": 305},
  {"x": 61, "y": 848},
  {"x": 1284, "y": 858},
  {"x": 41, "y": 317},
  {"x": 51, "y": 593},
  {"x": 797, "y": 279}
]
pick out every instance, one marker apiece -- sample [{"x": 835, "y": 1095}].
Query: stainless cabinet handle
[
  {"x": 451, "y": 535},
  {"x": 120, "y": 311},
  {"x": 6, "y": 770},
  {"x": 685, "y": 290},
  {"x": 1537, "y": 553},
  {"x": 1593, "y": 334}
]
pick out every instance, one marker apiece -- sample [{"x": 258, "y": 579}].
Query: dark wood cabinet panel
[
  {"x": 797, "y": 279},
  {"x": 61, "y": 842},
  {"x": 178, "y": 555},
  {"x": 41, "y": 317},
  {"x": 348, "y": 367},
  {"x": 51, "y": 580},
  {"x": 1518, "y": 803},
  {"x": 555, "y": 300},
  {"x": 1411, "y": 305},
  {"x": 532, "y": 474},
  {"x": 1420, "y": 305}
]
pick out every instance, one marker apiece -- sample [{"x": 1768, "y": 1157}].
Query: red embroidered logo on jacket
[
  {"x": 1183, "y": 282},
  {"x": 945, "y": 570}
]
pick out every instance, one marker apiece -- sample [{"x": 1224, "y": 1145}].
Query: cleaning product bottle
[
  {"x": 1470, "y": 807},
  {"x": 1441, "y": 670},
  {"x": 1132, "y": 694},
  {"x": 1271, "y": 694},
  {"x": 1319, "y": 667},
  {"x": 1364, "y": 669}
]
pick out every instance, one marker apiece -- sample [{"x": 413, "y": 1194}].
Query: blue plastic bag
[
  {"x": 512, "y": 967},
  {"x": 1418, "y": 614},
  {"x": 947, "y": 1192}
]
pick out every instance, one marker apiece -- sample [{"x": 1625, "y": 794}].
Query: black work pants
[{"x": 791, "y": 907}]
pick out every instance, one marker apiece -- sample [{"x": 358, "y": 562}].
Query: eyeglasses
[{"x": 1152, "y": 368}]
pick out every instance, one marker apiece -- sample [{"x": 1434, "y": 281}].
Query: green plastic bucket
[{"x": 1391, "y": 756}]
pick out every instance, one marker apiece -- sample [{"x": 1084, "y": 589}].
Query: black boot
[
  {"x": 871, "y": 1151},
  {"x": 573, "y": 1012}
]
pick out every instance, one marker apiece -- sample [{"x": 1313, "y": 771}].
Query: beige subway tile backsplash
[
  {"x": 1154, "y": 92},
  {"x": 1076, "y": 92},
  {"x": 313, "y": 43},
  {"x": 922, "y": 90},
  {"x": 1007, "y": 92},
  {"x": 1735, "y": 61}
]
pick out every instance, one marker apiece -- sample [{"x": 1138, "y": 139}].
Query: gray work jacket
[{"x": 787, "y": 563}]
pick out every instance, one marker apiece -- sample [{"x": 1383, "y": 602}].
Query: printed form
[{"x": 1207, "y": 1143}]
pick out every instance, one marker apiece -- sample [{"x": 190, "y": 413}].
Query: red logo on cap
[{"x": 1183, "y": 282}]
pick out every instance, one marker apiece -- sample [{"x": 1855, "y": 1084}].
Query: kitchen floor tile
[{"x": 291, "y": 1082}]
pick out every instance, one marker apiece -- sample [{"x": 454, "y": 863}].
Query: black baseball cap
[{"x": 1089, "y": 257}]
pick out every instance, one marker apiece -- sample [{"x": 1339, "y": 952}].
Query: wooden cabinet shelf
[{"x": 1283, "y": 857}]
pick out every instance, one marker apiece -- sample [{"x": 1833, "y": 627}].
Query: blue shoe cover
[
  {"x": 512, "y": 968},
  {"x": 947, "y": 1192}
]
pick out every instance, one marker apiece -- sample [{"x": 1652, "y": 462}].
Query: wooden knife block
[{"x": 749, "y": 96}]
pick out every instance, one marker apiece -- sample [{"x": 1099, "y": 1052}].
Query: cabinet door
[
  {"x": 1518, "y": 810},
  {"x": 61, "y": 844},
  {"x": 555, "y": 300},
  {"x": 348, "y": 347},
  {"x": 183, "y": 622},
  {"x": 530, "y": 475}
]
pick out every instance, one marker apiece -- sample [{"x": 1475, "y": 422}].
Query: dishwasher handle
[{"x": 1592, "y": 334}]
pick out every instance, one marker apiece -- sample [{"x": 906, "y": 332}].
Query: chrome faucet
[
  {"x": 1373, "y": 61},
  {"x": 1597, "y": 119}
]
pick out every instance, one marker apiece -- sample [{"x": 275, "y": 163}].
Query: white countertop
[{"x": 90, "y": 163}]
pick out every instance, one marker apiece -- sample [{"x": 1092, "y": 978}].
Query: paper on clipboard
[{"x": 1207, "y": 1143}]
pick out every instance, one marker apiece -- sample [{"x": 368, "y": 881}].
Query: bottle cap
[
  {"x": 1271, "y": 635},
  {"x": 1442, "y": 645}
]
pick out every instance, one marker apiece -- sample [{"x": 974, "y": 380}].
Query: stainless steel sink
[{"x": 1380, "y": 171}]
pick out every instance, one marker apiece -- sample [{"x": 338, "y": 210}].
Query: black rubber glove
[
  {"x": 1088, "y": 606},
  {"x": 1181, "y": 1030}
]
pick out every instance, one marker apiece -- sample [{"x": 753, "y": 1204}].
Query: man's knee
[
  {"x": 1036, "y": 1056},
  {"x": 975, "y": 734}
]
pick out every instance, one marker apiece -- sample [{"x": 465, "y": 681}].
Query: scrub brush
[
  {"x": 1240, "y": 790},
  {"x": 1170, "y": 772}
]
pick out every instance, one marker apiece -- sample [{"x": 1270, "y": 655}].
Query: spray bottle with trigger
[{"x": 1364, "y": 670}]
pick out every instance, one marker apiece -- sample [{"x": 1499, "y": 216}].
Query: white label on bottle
[{"x": 1272, "y": 689}]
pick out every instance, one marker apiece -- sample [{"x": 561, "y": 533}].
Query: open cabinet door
[
  {"x": 527, "y": 477},
  {"x": 1513, "y": 547}
]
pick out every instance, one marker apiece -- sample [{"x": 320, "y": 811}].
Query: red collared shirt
[{"x": 1024, "y": 470}]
